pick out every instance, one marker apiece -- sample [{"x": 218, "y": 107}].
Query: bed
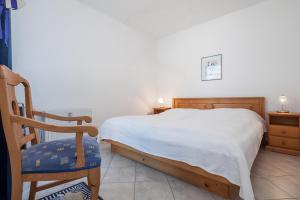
[{"x": 208, "y": 142}]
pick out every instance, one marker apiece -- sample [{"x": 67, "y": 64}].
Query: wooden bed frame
[{"x": 194, "y": 175}]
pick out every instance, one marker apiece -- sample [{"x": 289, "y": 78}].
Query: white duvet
[{"x": 224, "y": 142}]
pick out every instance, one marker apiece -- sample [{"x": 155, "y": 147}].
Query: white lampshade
[
  {"x": 282, "y": 99},
  {"x": 160, "y": 100}
]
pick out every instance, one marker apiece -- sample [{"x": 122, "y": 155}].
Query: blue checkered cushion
[{"x": 59, "y": 156}]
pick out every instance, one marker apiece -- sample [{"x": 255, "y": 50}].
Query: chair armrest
[
  {"x": 87, "y": 119},
  {"x": 91, "y": 130}
]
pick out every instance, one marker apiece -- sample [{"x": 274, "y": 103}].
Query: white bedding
[{"x": 224, "y": 142}]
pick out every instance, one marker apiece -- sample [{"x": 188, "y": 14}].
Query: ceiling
[{"x": 159, "y": 18}]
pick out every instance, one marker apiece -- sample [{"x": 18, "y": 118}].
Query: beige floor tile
[
  {"x": 171, "y": 178},
  {"x": 106, "y": 158},
  {"x": 151, "y": 190},
  {"x": 106, "y": 152},
  {"x": 117, "y": 174},
  {"x": 104, "y": 145},
  {"x": 119, "y": 161},
  {"x": 288, "y": 167},
  {"x": 103, "y": 172},
  {"x": 236, "y": 196},
  {"x": 290, "y": 184},
  {"x": 270, "y": 157},
  {"x": 217, "y": 197},
  {"x": 269, "y": 178},
  {"x": 144, "y": 173},
  {"x": 294, "y": 159},
  {"x": 274, "y": 158},
  {"x": 185, "y": 191},
  {"x": 264, "y": 169},
  {"x": 105, "y": 162},
  {"x": 117, "y": 191},
  {"x": 264, "y": 189}
]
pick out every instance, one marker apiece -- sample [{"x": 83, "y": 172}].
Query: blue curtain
[
  {"x": 5, "y": 35},
  {"x": 5, "y": 59}
]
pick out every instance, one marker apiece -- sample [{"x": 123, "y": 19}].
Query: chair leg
[
  {"x": 17, "y": 188},
  {"x": 33, "y": 186},
  {"x": 94, "y": 182},
  {"x": 89, "y": 183}
]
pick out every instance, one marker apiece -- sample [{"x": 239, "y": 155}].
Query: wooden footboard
[{"x": 194, "y": 175}]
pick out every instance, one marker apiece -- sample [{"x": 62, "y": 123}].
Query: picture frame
[{"x": 211, "y": 68}]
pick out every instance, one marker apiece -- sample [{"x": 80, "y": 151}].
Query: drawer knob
[
  {"x": 283, "y": 132},
  {"x": 283, "y": 143}
]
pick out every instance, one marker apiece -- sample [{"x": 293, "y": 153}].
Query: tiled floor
[{"x": 274, "y": 176}]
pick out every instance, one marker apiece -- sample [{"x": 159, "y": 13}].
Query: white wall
[
  {"x": 260, "y": 47},
  {"x": 76, "y": 57}
]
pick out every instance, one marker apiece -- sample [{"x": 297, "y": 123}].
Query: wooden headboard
[{"x": 256, "y": 104}]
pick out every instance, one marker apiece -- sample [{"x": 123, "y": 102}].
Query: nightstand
[
  {"x": 284, "y": 133},
  {"x": 160, "y": 110}
]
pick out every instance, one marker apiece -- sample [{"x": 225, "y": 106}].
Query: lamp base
[{"x": 283, "y": 111}]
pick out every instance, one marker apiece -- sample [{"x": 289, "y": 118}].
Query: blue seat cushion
[{"x": 59, "y": 156}]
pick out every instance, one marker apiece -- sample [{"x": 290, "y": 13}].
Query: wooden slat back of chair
[
  {"x": 9, "y": 106},
  {"x": 15, "y": 139}
]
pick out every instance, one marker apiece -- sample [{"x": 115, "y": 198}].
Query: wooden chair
[{"x": 87, "y": 161}]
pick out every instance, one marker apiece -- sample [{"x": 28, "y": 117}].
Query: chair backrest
[{"x": 14, "y": 134}]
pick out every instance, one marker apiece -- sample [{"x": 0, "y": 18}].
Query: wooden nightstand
[
  {"x": 284, "y": 133},
  {"x": 160, "y": 110}
]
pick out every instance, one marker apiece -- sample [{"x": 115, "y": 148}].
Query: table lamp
[
  {"x": 283, "y": 101},
  {"x": 161, "y": 102}
]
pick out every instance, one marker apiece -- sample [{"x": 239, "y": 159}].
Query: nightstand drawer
[
  {"x": 284, "y": 131},
  {"x": 284, "y": 142}
]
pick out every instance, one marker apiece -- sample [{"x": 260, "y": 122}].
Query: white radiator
[{"x": 50, "y": 136}]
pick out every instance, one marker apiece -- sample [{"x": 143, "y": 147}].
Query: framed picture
[{"x": 211, "y": 68}]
